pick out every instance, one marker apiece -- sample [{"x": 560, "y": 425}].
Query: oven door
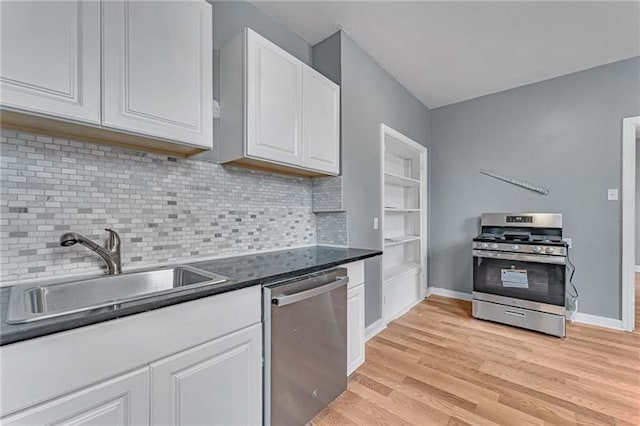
[{"x": 529, "y": 277}]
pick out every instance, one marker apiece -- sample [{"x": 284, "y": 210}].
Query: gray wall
[
  {"x": 370, "y": 96},
  {"x": 638, "y": 203},
  {"x": 564, "y": 134},
  {"x": 230, "y": 17},
  {"x": 327, "y": 57}
]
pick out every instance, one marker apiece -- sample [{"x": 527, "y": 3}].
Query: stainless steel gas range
[{"x": 520, "y": 271}]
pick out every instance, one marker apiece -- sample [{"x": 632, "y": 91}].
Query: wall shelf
[
  {"x": 398, "y": 180},
  {"x": 398, "y": 210},
  {"x": 403, "y": 239}
]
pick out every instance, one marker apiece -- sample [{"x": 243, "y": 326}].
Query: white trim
[
  {"x": 629, "y": 128},
  {"x": 596, "y": 320},
  {"x": 445, "y": 292},
  {"x": 403, "y": 311},
  {"x": 637, "y": 268},
  {"x": 373, "y": 329}
]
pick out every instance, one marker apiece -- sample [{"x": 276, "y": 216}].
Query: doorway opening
[{"x": 630, "y": 225}]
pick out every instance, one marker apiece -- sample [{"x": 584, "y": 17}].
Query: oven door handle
[
  {"x": 556, "y": 260},
  {"x": 287, "y": 299}
]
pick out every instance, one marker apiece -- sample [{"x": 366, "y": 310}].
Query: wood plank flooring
[{"x": 437, "y": 365}]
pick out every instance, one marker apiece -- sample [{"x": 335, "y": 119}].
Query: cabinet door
[
  {"x": 355, "y": 328},
  {"x": 51, "y": 58},
  {"x": 320, "y": 122},
  {"x": 274, "y": 102},
  {"x": 217, "y": 383},
  {"x": 123, "y": 400},
  {"x": 157, "y": 69}
]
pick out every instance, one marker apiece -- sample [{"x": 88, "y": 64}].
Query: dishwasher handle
[{"x": 287, "y": 299}]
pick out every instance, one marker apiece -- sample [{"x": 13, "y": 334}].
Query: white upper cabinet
[
  {"x": 135, "y": 73},
  {"x": 273, "y": 102},
  {"x": 320, "y": 122},
  {"x": 157, "y": 69},
  {"x": 276, "y": 111},
  {"x": 51, "y": 58}
]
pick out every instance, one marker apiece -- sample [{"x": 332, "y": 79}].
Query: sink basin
[{"x": 32, "y": 303}]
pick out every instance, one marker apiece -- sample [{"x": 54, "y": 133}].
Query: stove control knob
[
  {"x": 537, "y": 249},
  {"x": 484, "y": 245},
  {"x": 549, "y": 250},
  {"x": 515, "y": 247},
  {"x": 494, "y": 246}
]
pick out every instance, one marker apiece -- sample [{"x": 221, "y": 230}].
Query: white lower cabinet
[
  {"x": 194, "y": 363},
  {"x": 355, "y": 331},
  {"x": 217, "y": 383},
  {"x": 123, "y": 400},
  {"x": 355, "y": 316}
]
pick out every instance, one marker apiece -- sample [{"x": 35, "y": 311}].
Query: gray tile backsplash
[
  {"x": 331, "y": 228},
  {"x": 327, "y": 194},
  {"x": 165, "y": 209}
]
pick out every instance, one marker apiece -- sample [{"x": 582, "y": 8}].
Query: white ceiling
[{"x": 447, "y": 52}]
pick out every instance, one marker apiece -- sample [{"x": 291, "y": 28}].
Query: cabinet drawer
[{"x": 356, "y": 273}]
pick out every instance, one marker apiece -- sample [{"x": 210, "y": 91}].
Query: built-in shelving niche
[{"x": 404, "y": 224}]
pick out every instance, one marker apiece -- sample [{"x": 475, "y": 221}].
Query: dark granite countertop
[{"x": 242, "y": 271}]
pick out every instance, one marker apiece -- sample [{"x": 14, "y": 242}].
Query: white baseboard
[
  {"x": 612, "y": 323},
  {"x": 374, "y": 329},
  {"x": 445, "y": 292},
  {"x": 637, "y": 268},
  {"x": 402, "y": 312}
]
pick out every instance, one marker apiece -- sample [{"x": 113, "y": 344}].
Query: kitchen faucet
[{"x": 110, "y": 253}]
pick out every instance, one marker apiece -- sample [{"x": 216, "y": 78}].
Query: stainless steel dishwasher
[{"x": 305, "y": 346}]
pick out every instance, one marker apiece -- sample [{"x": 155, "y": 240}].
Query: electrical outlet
[
  {"x": 375, "y": 223},
  {"x": 568, "y": 241},
  {"x": 612, "y": 194}
]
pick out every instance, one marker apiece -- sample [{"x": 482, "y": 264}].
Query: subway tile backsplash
[
  {"x": 331, "y": 228},
  {"x": 328, "y": 194},
  {"x": 165, "y": 209}
]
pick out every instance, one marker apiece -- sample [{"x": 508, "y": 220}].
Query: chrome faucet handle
[{"x": 113, "y": 243}]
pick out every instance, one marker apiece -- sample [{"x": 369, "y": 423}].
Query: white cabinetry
[
  {"x": 355, "y": 316},
  {"x": 217, "y": 383},
  {"x": 320, "y": 122},
  {"x": 276, "y": 111},
  {"x": 125, "y": 72},
  {"x": 157, "y": 69},
  {"x": 121, "y": 401},
  {"x": 197, "y": 362},
  {"x": 51, "y": 58},
  {"x": 273, "y": 102}
]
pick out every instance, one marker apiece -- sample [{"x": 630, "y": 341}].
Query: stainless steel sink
[{"x": 32, "y": 303}]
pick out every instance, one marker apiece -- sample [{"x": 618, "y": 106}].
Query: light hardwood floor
[{"x": 437, "y": 365}]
